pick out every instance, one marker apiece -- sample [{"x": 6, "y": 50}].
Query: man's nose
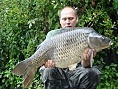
[{"x": 67, "y": 21}]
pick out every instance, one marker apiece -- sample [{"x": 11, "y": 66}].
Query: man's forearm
[{"x": 85, "y": 63}]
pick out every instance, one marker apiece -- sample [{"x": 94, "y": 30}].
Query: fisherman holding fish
[
  {"x": 67, "y": 55},
  {"x": 78, "y": 76}
]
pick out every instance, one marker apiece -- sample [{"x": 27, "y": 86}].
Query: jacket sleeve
[{"x": 51, "y": 33}]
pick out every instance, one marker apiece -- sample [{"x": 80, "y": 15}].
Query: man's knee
[
  {"x": 94, "y": 73},
  {"x": 49, "y": 70},
  {"x": 93, "y": 76},
  {"x": 49, "y": 73},
  {"x": 90, "y": 79}
]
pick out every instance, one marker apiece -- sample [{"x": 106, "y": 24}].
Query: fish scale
[{"x": 64, "y": 48}]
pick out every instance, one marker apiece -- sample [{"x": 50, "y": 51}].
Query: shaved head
[{"x": 68, "y": 7}]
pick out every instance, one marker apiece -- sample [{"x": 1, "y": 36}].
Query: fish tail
[
  {"x": 28, "y": 78},
  {"x": 28, "y": 73}
]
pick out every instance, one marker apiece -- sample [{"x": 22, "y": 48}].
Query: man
[{"x": 83, "y": 76}]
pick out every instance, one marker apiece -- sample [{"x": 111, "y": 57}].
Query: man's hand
[
  {"x": 49, "y": 64},
  {"x": 87, "y": 54},
  {"x": 86, "y": 62}
]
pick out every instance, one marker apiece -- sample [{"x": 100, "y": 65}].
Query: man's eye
[
  {"x": 71, "y": 18},
  {"x": 64, "y": 19}
]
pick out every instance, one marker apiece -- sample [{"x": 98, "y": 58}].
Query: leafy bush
[
  {"x": 109, "y": 78},
  {"x": 25, "y": 23}
]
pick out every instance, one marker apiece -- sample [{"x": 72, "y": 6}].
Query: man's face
[{"x": 68, "y": 18}]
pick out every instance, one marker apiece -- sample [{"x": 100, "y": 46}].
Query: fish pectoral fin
[
  {"x": 91, "y": 57},
  {"x": 28, "y": 77}
]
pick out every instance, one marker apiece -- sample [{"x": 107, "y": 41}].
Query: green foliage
[
  {"x": 109, "y": 76},
  {"x": 24, "y": 24}
]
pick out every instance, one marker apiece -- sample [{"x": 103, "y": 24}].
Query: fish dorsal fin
[{"x": 63, "y": 30}]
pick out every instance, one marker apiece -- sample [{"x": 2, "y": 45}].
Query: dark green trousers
[{"x": 80, "y": 78}]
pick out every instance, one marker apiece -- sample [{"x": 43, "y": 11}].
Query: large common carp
[{"x": 66, "y": 47}]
